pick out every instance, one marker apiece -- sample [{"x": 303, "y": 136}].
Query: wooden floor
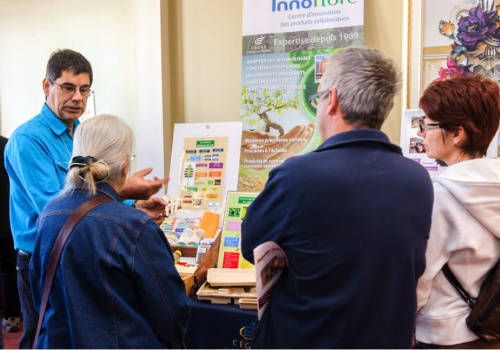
[{"x": 11, "y": 340}]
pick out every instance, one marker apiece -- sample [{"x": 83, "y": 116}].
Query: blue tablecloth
[{"x": 216, "y": 326}]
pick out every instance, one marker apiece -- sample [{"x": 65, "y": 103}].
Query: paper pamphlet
[
  {"x": 269, "y": 260},
  {"x": 180, "y": 224}
]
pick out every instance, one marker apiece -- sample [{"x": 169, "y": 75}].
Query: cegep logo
[
  {"x": 247, "y": 331},
  {"x": 246, "y": 334},
  {"x": 259, "y": 44},
  {"x": 259, "y": 40}
]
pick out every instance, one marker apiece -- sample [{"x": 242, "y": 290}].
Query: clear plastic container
[
  {"x": 197, "y": 236},
  {"x": 203, "y": 248}
]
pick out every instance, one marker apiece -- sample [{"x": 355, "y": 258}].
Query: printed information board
[
  {"x": 203, "y": 172},
  {"x": 230, "y": 248},
  {"x": 203, "y": 165},
  {"x": 286, "y": 45}
]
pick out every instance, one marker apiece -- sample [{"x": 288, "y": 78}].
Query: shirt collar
[
  {"x": 358, "y": 135},
  {"x": 57, "y": 126}
]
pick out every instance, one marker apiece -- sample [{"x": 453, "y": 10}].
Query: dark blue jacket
[
  {"x": 353, "y": 218},
  {"x": 116, "y": 285}
]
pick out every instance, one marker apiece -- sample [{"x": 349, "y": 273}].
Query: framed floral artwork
[{"x": 448, "y": 38}]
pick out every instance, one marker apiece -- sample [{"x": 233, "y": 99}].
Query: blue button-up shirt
[{"x": 36, "y": 158}]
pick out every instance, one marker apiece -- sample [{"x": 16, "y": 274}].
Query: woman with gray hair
[{"x": 116, "y": 285}]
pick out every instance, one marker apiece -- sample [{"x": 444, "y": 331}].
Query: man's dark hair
[{"x": 67, "y": 60}]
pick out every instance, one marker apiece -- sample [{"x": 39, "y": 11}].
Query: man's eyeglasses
[
  {"x": 314, "y": 98},
  {"x": 424, "y": 127},
  {"x": 71, "y": 90}
]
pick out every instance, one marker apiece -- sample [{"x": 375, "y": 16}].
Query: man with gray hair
[{"x": 352, "y": 217}]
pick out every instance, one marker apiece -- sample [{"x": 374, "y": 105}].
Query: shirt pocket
[{"x": 62, "y": 170}]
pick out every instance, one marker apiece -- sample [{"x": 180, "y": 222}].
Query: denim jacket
[{"x": 116, "y": 285}]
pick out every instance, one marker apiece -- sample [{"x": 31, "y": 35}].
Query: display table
[{"x": 216, "y": 326}]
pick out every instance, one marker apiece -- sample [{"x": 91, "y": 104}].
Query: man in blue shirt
[
  {"x": 37, "y": 157},
  {"x": 353, "y": 218}
]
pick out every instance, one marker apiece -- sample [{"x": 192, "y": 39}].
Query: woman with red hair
[{"x": 462, "y": 117}]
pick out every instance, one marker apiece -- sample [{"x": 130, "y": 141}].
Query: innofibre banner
[{"x": 285, "y": 48}]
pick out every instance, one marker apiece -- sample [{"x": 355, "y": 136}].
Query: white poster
[{"x": 203, "y": 165}]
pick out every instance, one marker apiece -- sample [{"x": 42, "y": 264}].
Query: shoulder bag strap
[
  {"x": 55, "y": 255},
  {"x": 454, "y": 282}
]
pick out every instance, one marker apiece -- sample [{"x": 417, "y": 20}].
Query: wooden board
[
  {"x": 188, "y": 251},
  {"x": 189, "y": 283}
]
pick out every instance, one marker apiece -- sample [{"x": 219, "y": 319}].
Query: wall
[
  {"x": 156, "y": 62},
  {"x": 211, "y": 56},
  {"x": 148, "y": 88},
  {"x": 384, "y": 32},
  {"x": 121, "y": 38},
  {"x": 212, "y": 59},
  {"x": 31, "y": 30}
]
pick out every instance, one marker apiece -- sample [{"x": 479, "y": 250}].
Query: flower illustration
[
  {"x": 475, "y": 47},
  {"x": 446, "y": 28},
  {"x": 476, "y": 27},
  {"x": 452, "y": 71}
]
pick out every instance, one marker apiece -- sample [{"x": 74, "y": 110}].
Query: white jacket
[{"x": 465, "y": 234}]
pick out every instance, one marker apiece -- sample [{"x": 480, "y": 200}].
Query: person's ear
[
  {"x": 125, "y": 168},
  {"x": 46, "y": 86},
  {"x": 459, "y": 136},
  {"x": 333, "y": 101}
]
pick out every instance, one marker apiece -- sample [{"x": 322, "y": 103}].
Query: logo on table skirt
[{"x": 246, "y": 333}]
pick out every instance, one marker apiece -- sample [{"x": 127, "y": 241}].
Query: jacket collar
[
  {"x": 54, "y": 123},
  {"x": 358, "y": 135},
  {"x": 106, "y": 189}
]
